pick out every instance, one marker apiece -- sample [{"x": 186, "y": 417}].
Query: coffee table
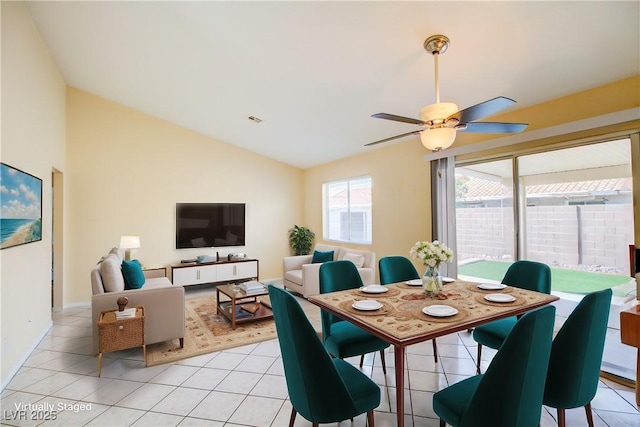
[{"x": 235, "y": 298}]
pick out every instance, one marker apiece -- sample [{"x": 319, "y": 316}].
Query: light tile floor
[{"x": 243, "y": 386}]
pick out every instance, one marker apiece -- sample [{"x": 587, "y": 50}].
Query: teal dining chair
[
  {"x": 396, "y": 268},
  {"x": 510, "y": 393},
  {"x": 576, "y": 356},
  {"x": 530, "y": 275},
  {"x": 341, "y": 338},
  {"x": 322, "y": 389}
]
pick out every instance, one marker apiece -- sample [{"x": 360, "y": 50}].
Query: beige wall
[
  {"x": 33, "y": 140},
  {"x": 610, "y": 98},
  {"x": 401, "y": 203},
  {"x": 126, "y": 171}
]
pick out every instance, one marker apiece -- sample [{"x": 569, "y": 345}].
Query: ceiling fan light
[
  {"x": 438, "y": 139},
  {"x": 438, "y": 112}
]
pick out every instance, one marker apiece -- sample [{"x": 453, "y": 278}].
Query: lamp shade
[
  {"x": 439, "y": 136},
  {"x": 438, "y": 139},
  {"x": 129, "y": 242}
]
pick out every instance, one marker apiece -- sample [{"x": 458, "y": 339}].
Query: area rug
[{"x": 207, "y": 331}]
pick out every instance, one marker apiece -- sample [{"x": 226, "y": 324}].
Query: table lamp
[{"x": 127, "y": 243}]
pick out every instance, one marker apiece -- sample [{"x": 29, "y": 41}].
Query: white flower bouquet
[{"x": 431, "y": 254}]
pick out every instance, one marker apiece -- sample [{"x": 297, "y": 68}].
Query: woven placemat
[
  {"x": 519, "y": 301},
  {"x": 461, "y": 315},
  {"x": 383, "y": 311},
  {"x": 415, "y": 296},
  {"x": 475, "y": 288},
  {"x": 391, "y": 292},
  {"x": 405, "y": 286}
]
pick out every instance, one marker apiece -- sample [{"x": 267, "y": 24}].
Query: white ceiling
[{"x": 315, "y": 72}]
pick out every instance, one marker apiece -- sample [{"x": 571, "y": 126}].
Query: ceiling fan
[{"x": 441, "y": 121}]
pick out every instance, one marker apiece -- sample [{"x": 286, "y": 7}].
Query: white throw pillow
[
  {"x": 117, "y": 252},
  {"x": 111, "y": 273},
  {"x": 357, "y": 259}
]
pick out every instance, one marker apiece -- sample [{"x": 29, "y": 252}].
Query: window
[{"x": 346, "y": 207}]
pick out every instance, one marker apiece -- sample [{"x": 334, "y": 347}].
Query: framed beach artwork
[{"x": 20, "y": 207}]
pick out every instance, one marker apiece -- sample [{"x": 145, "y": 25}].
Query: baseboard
[
  {"x": 618, "y": 379},
  {"x": 6, "y": 380}
]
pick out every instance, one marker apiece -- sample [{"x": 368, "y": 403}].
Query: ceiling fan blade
[
  {"x": 398, "y": 118},
  {"x": 483, "y": 109},
  {"x": 415, "y": 132},
  {"x": 491, "y": 127}
]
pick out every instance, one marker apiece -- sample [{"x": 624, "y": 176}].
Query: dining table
[{"x": 402, "y": 315}]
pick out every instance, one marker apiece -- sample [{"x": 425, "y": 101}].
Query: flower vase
[{"x": 432, "y": 282}]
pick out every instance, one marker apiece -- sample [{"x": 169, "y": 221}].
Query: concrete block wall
[
  {"x": 554, "y": 234},
  {"x": 484, "y": 233}
]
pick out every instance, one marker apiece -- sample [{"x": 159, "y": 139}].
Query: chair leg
[
  {"x": 435, "y": 350},
  {"x": 587, "y": 409},
  {"x": 442, "y": 423},
  {"x": 560, "y": 417},
  {"x": 370, "y": 421},
  {"x": 361, "y": 360},
  {"x": 384, "y": 365},
  {"x": 292, "y": 419},
  {"x": 479, "y": 355}
]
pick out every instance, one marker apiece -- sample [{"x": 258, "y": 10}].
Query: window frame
[{"x": 351, "y": 209}]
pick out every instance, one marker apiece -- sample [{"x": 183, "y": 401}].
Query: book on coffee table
[
  {"x": 252, "y": 287},
  {"x": 251, "y": 307}
]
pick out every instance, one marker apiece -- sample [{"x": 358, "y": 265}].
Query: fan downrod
[{"x": 437, "y": 44}]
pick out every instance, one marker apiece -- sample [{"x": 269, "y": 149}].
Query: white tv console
[{"x": 235, "y": 270}]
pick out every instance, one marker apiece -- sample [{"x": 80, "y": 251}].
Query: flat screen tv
[{"x": 208, "y": 225}]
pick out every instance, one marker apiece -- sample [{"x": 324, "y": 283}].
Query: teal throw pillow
[
  {"x": 320, "y": 257},
  {"x": 133, "y": 275}
]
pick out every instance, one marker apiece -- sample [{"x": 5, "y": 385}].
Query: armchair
[{"x": 302, "y": 276}]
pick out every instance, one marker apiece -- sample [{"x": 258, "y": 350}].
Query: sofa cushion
[
  {"x": 294, "y": 276},
  {"x": 117, "y": 252},
  {"x": 357, "y": 259},
  {"x": 133, "y": 274},
  {"x": 111, "y": 272},
  {"x": 320, "y": 257}
]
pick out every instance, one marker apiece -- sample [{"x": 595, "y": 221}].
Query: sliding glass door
[
  {"x": 569, "y": 208},
  {"x": 485, "y": 232},
  {"x": 573, "y": 212},
  {"x": 578, "y": 215}
]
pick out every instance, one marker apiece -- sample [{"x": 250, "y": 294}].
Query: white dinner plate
[
  {"x": 366, "y": 304},
  {"x": 414, "y": 282},
  {"x": 439, "y": 311},
  {"x": 500, "y": 298},
  {"x": 492, "y": 286},
  {"x": 448, "y": 279},
  {"x": 374, "y": 289}
]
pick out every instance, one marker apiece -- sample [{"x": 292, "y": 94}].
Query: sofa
[
  {"x": 163, "y": 303},
  {"x": 300, "y": 275}
]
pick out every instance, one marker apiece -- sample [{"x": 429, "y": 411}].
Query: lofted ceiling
[{"x": 315, "y": 72}]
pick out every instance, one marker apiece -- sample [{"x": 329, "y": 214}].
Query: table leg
[
  {"x": 638, "y": 377},
  {"x": 233, "y": 313},
  {"x": 99, "y": 363},
  {"x": 398, "y": 352}
]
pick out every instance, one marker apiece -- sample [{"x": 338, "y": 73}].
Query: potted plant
[{"x": 301, "y": 240}]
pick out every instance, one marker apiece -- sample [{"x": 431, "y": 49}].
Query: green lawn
[{"x": 572, "y": 281}]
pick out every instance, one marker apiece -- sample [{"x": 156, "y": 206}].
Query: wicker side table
[{"x": 120, "y": 334}]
